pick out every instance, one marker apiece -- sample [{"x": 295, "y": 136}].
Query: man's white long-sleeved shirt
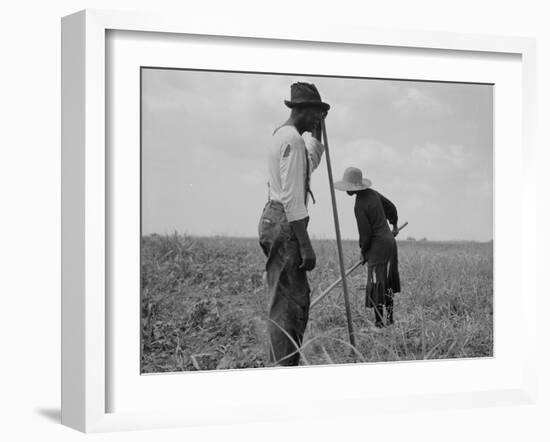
[{"x": 290, "y": 158}]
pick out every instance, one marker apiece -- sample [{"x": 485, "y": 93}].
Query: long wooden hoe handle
[{"x": 338, "y": 238}]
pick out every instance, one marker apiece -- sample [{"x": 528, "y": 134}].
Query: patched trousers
[{"x": 287, "y": 286}]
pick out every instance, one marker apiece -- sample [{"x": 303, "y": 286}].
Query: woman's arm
[{"x": 390, "y": 211}]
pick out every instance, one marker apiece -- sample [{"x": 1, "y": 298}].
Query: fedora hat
[
  {"x": 353, "y": 180},
  {"x": 305, "y": 94}
]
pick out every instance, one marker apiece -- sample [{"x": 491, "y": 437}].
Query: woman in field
[{"x": 377, "y": 242}]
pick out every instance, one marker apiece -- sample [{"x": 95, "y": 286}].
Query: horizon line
[{"x": 313, "y": 237}]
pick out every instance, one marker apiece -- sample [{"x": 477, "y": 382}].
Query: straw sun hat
[{"x": 353, "y": 180}]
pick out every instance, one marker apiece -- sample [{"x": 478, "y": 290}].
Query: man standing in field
[{"x": 283, "y": 224}]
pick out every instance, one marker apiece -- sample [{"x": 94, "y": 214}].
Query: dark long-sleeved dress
[{"x": 377, "y": 245}]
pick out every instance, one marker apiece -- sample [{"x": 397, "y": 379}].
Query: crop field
[{"x": 204, "y": 307}]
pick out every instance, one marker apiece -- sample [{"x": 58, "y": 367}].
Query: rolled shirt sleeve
[
  {"x": 315, "y": 151},
  {"x": 292, "y": 172}
]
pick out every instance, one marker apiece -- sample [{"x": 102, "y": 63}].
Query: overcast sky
[{"x": 428, "y": 147}]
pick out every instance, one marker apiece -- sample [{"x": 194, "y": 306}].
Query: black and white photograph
[
  {"x": 240, "y": 221},
  {"x": 299, "y": 220}
]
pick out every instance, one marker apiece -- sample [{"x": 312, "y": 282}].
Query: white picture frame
[{"x": 85, "y": 203}]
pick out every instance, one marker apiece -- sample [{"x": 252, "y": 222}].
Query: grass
[{"x": 203, "y": 305}]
